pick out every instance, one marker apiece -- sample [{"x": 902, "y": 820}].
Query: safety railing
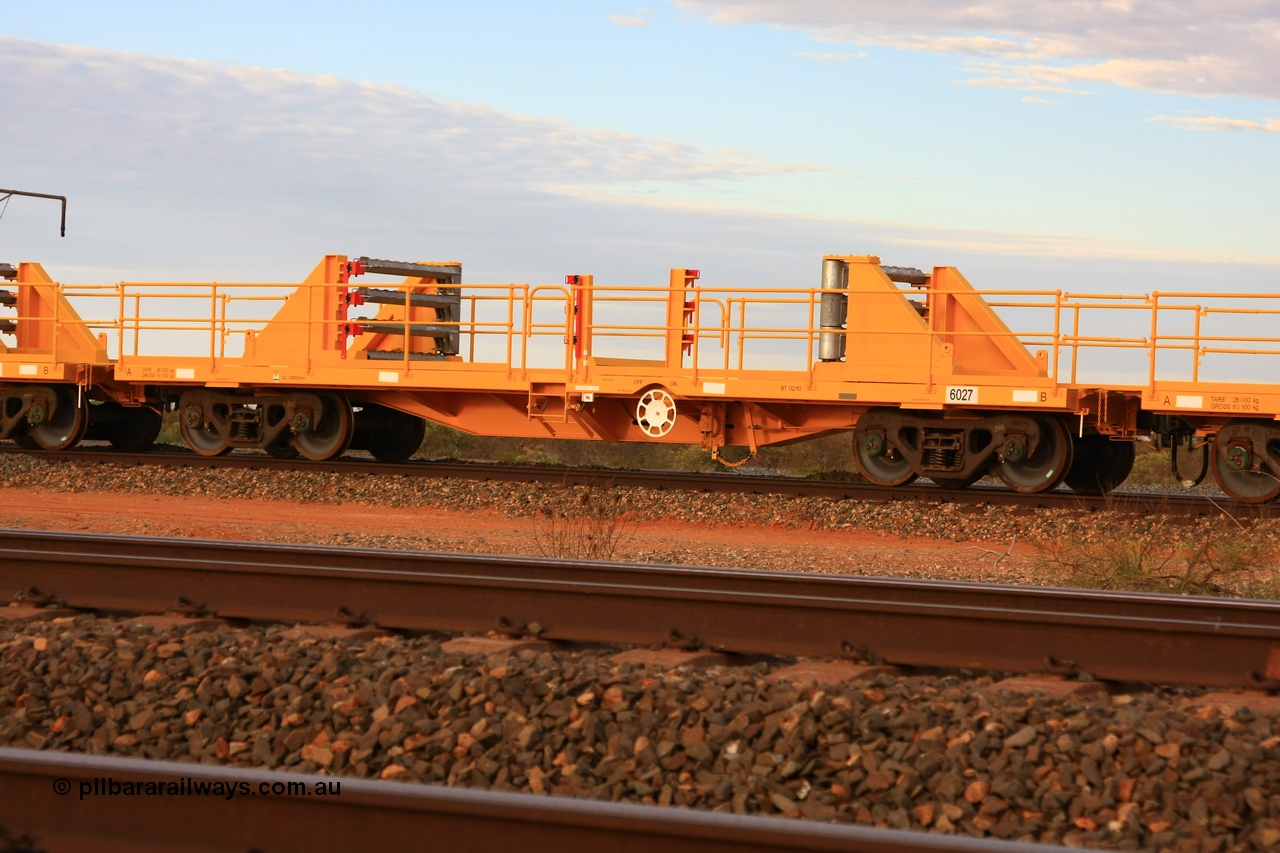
[{"x": 521, "y": 325}]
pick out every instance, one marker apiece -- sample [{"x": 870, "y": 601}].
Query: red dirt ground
[{"x": 838, "y": 551}]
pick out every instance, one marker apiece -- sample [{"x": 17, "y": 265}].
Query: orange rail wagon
[{"x": 921, "y": 368}]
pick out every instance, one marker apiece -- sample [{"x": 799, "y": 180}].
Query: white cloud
[
  {"x": 996, "y": 79},
  {"x": 627, "y": 21},
  {"x": 828, "y": 57},
  {"x": 896, "y": 241},
  {"x": 140, "y": 116},
  {"x": 1217, "y": 123},
  {"x": 180, "y": 170},
  {"x": 1194, "y": 47},
  {"x": 1032, "y": 99}
]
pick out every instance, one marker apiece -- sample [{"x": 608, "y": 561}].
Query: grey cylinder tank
[{"x": 833, "y": 310}]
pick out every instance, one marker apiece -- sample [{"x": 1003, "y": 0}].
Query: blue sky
[{"x": 1132, "y": 145}]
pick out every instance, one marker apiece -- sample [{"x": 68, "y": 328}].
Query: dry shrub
[
  {"x": 582, "y": 523},
  {"x": 1212, "y": 557},
  {"x": 1151, "y": 467}
]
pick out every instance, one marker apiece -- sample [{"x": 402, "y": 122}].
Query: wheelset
[
  {"x": 1099, "y": 464},
  {"x": 953, "y": 484},
  {"x": 328, "y": 435},
  {"x": 136, "y": 430},
  {"x": 881, "y": 463},
  {"x": 388, "y": 434},
  {"x": 64, "y": 426},
  {"x": 1246, "y": 461},
  {"x": 1031, "y": 471}
]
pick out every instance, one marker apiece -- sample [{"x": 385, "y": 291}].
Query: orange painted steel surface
[{"x": 687, "y": 363}]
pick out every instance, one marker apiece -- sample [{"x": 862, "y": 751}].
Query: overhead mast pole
[{"x": 5, "y": 195}]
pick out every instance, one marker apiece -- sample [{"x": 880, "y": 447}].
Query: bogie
[
  {"x": 1245, "y": 460},
  {"x": 389, "y": 435},
  {"x": 318, "y": 426},
  {"x": 130, "y": 429},
  {"x": 1099, "y": 464},
  {"x": 1029, "y": 453}
]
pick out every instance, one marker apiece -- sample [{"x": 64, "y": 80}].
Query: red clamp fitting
[{"x": 352, "y": 268}]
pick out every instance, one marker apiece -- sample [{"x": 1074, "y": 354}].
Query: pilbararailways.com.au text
[{"x": 104, "y": 786}]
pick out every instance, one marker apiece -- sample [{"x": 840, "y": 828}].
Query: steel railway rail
[
  {"x": 57, "y": 802},
  {"x": 1135, "y": 502},
  {"x": 1126, "y": 637}
]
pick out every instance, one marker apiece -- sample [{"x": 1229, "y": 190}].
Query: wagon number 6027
[{"x": 962, "y": 395}]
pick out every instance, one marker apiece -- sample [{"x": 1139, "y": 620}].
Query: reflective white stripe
[
  {"x": 1020, "y": 396},
  {"x": 1189, "y": 402},
  {"x": 184, "y": 373},
  {"x": 586, "y": 387},
  {"x": 27, "y": 370},
  {"x": 388, "y": 376},
  {"x": 712, "y": 387}
]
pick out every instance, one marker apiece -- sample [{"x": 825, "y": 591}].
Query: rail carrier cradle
[{"x": 917, "y": 366}]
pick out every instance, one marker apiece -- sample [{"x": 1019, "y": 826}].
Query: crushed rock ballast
[{"x": 927, "y": 753}]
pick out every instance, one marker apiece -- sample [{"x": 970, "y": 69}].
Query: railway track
[
  {"x": 1126, "y": 637},
  {"x": 1109, "y": 636},
  {"x": 56, "y": 802},
  {"x": 1133, "y": 502}
]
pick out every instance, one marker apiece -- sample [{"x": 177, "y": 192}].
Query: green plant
[
  {"x": 170, "y": 431},
  {"x": 1151, "y": 467}
]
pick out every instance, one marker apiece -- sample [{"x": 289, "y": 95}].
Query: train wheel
[
  {"x": 1099, "y": 464},
  {"x": 283, "y": 450},
  {"x": 329, "y": 438},
  {"x": 1043, "y": 469},
  {"x": 64, "y": 429},
  {"x": 953, "y": 484},
  {"x": 880, "y": 463},
  {"x": 1246, "y": 461},
  {"x": 137, "y": 431},
  {"x": 200, "y": 438},
  {"x": 399, "y": 437}
]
